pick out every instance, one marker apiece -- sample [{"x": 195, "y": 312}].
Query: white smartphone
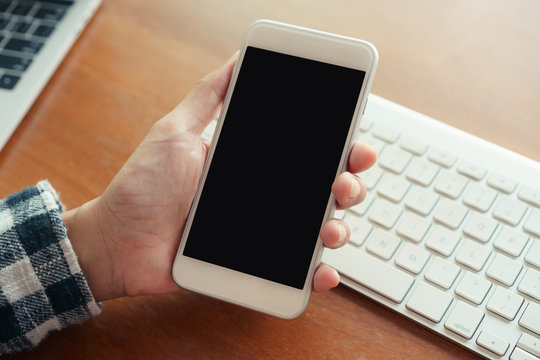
[{"x": 283, "y": 135}]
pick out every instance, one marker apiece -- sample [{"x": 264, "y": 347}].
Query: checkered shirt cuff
[{"x": 42, "y": 287}]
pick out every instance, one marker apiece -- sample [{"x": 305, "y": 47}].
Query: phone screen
[{"x": 268, "y": 185}]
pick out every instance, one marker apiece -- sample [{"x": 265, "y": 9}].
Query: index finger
[{"x": 361, "y": 158}]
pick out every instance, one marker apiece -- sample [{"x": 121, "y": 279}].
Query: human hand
[{"x": 126, "y": 239}]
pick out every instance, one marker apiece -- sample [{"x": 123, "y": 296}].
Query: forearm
[
  {"x": 42, "y": 287},
  {"x": 84, "y": 228}
]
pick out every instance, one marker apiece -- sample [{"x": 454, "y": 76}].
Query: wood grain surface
[{"x": 471, "y": 64}]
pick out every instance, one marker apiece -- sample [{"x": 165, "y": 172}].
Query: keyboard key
[
  {"x": 383, "y": 244},
  {"x": 429, "y": 302},
  {"x": 21, "y": 27},
  {"x": 492, "y": 342},
  {"x": 533, "y": 255},
  {"x": 21, "y": 9},
  {"x": 360, "y": 229},
  {"x": 4, "y": 5},
  {"x": 450, "y": 213},
  {"x": 361, "y": 209},
  {"x": 509, "y": 210},
  {"x": 473, "y": 255},
  {"x": 54, "y": 14},
  {"x": 442, "y": 158},
  {"x": 26, "y": 46},
  {"x": 505, "y": 303},
  {"x": 365, "y": 123},
  {"x": 451, "y": 184},
  {"x": 44, "y": 30},
  {"x": 385, "y": 133},
  {"x": 421, "y": 171},
  {"x": 14, "y": 62},
  {"x": 532, "y": 224},
  {"x": 339, "y": 214},
  {"x": 464, "y": 319},
  {"x": 370, "y": 140},
  {"x": 384, "y": 213},
  {"x": 372, "y": 176},
  {"x": 413, "y": 227},
  {"x": 394, "y": 159},
  {"x": 393, "y": 187},
  {"x": 510, "y": 241},
  {"x": 530, "y": 284},
  {"x": 370, "y": 272},
  {"x": 504, "y": 269},
  {"x": 519, "y": 354},
  {"x": 414, "y": 146},
  {"x": 479, "y": 197},
  {"x": 442, "y": 272},
  {"x": 442, "y": 240},
  {"x": 502, "y": 183},
  {"x": 420, "y": 200},
  {"x": 208, "y": 132},
  {"x": 412, "y": 258},
  {"x": 479, "y": 227},
  {"x": 531, "y": 318},
  {"x": 4, "y": 23},
  {"x": 529, "y": 343},
  {"x": 473, "y": 287},
  {"x": 8, "y": 81},
  {"x": 530, "y": 195},
  {"x": 473, "y": 171}
]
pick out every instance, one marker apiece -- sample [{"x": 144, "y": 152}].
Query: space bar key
[{"x": 370, "y": 272}]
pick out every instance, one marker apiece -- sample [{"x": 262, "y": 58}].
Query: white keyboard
[{"x": 449, "y": 233}]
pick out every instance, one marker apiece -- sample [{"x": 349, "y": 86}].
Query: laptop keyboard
[
  {"x": 24, "y": 28},
  {"x": 448, "y": 235}
]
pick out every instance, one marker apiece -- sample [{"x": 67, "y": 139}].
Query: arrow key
[
  {"x": 529, "y": 343},
  {"x": 492, "y": 343}
]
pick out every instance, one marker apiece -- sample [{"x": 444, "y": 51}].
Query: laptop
[{"x": 34, "y": 38}]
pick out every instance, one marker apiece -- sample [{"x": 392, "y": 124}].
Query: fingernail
[
  {"x": 342, "y": 233},
  {"x": 355, "y": 188}
]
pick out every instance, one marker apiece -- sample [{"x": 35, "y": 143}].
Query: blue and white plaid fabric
[{"x": 42, "y": 287}]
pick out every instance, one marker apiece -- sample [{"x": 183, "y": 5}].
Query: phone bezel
[{"x": 240, "y": 288}]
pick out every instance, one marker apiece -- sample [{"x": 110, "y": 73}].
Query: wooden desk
[{"x": 473, "y": 65}]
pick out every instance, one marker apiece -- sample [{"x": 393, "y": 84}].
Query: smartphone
[{"x": 283, "y": 135}]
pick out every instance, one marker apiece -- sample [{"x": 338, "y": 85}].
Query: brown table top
[{"x": 473, "y": 65}]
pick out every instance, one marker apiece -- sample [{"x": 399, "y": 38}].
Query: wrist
[{"x": 86, "y": 233}]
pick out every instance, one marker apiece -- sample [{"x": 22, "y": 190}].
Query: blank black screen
[{"x": 270, "y": 179}]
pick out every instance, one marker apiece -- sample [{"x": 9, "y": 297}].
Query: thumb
[{"x": 203, "y": 102}]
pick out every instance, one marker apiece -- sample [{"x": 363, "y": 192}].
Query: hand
[{"x": 126, "y": 239}]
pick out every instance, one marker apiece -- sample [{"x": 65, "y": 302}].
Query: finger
[
  {"x": 362, "y": 157},
  {"x": 206, "y": 147},
  {"x": 349, "y": 190},
  {"x": 335, "y": 233},
  {"x": 325, "y": 278},
  {"x": 203, "y": 102}
]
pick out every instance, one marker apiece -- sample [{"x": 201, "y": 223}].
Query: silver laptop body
[{"x": 34, "y": 38}]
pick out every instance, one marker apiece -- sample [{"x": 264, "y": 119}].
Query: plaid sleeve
[{"x": 42, "y": 287}]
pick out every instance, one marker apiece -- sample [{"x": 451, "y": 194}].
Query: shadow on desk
[{"x": 337, "y": 325}]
